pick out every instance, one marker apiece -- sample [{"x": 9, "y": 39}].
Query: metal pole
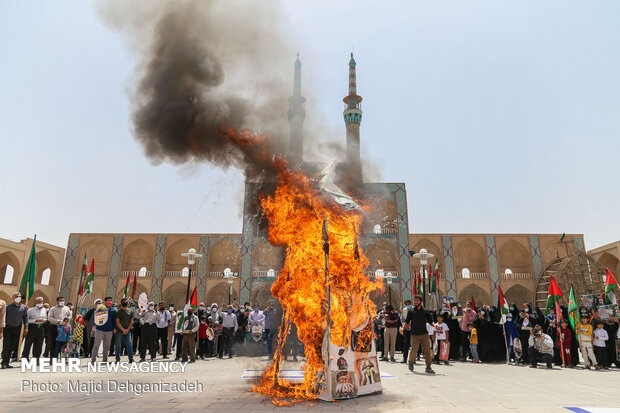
[
  {"x": 229, "y": 291},
  {"x": 390, "y": 293},
  {"x": 189, "y": 280},
  {"x": 424, "y": 284}
]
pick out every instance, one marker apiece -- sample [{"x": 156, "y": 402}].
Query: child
[
  {"x": 565, "y": 338},
  {"x": 210, "y": 338},
  {"x": 442, "y": 334},
  {"x": 584, "y": 329},
  {"x": 202, "y": 338},
  {"x": 600, "y": 345},
  {"x": 64, "y": 335},
  {"x": 473, "y": 342},
  {"x": 511, "y": 332}
]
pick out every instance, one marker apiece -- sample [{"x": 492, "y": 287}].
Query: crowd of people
[
  {"x": 479, "y": 335},
  {"x": 123, "y": 330}
]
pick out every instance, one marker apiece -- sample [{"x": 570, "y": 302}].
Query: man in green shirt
[{"x": 124, "y": 323}]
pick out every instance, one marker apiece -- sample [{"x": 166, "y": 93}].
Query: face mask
[
  {"x": 384, "y": 307},
  {"x": 171, "y": 308},
  {"x": 213, "y": 309},
  {"x": 108, "y": 303},
  {"x": 468, "y": 307},
  {"x": 512, "y": 308},
  {"x": 256, "y": 310},
  {"x": 124, "y": 304},
  {"x": 201, "y": 308},
  {"x": 408, "y": 306},
  {"x": 133, "y": 307},
  {"x": 527, "y": 310},
  {"x": 509, "y": 319},
  {"x": 229, "y": 311},
  {"x": 39, "y": 305},
  {"x": 151, "y": 307},
  {"x": 61, "y": 303},
  {"x": 190, "y": 312},
  {"x": 17, "y": 300}
]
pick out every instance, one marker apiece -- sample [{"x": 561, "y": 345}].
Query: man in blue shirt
[{"x": 104, "y": 332}]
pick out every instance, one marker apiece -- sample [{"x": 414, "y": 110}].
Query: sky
[{"x": 500, "y": 117}]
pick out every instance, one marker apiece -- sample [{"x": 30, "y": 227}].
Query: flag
[
  {"x": 558, "y": 312},
  {"x": 573, "y": 310},
  {"x": 554, "y": 293},
  {"x": 135, "y": 285},
  {"x": 610, "y": 284},
  {"x": 126, "y": 290},
  {"x": 90, "y": 278},
  {"x": 80, "y": 289},
  {"x": 433, "y": 288},
  {"x": 420, "y": 285},
  {"x": 562, "y": 237},
  {"x": 415, "y": 283},
  {"x": 26, "y": 288},
  {"x": 473, "y": 304},
  {"x": 191, "y": 303},
  {"x": 502, "y": 305}
]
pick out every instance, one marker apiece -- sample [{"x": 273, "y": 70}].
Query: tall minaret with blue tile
[{"x": 353, "y": 119}]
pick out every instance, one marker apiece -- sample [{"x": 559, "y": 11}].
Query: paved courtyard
[{"x": 461, "y": 387}]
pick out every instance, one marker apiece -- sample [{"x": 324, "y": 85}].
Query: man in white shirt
[
  {"x": 37, "y": 317},
  {"x": 257, "y": 318},
  {"x": 55, "y": 315},
  {"x": 540, "y": 347},
  {"x": 230, "y": 327},
  {"x": 190, "y": 326},
  {"x": 162, "y": 329}
]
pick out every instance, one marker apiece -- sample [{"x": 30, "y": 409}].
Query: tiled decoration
[{"x": 70, "y": 257}]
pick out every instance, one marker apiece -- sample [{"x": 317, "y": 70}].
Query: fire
[{"x": 295, "y": 213}]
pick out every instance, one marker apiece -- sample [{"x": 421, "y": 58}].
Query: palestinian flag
[
  {"x": 473, "y": 304},
  {"x": 502, "y": 304},
  {"x": 26, "y": 288},
  {"x": 126, "y": 290},
  {"x": 610, "y": 283},
  {"x": 415, "y": 283},
  {"x": 434, "y": 275},
  {"x": 83, "y": 274},
  {"x": 554, "y": 293},
  {"x": 90, "y": 278},
  {"x": 573, "y": 310},
  {"x": 191, "y": 303},
  {"x": 420, "y": 285}
]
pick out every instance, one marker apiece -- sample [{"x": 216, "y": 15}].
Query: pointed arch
[
  {"x": 514, "y": 256},
  {"x": 174, "y": 260},
  {"x": 267, "y": 256},
  {"x": 469, "y": 254},
  {"x": 8, "y": 259},
  {"x": 97, "y": 250},
  {"x": 383, "y": 213},
  {"x": 261, "y": 295},
  {"x": 175, "y": 294},
  {"x": 382, "y": 255},
  {"x": 219, "y": 293},
  {"x": 225, "y": 254},
  {"x": 609, "y": 261},
  {"x": 518, "y": 294},
  {"x": 136, "y": 255},
  {"x": 472, "y": 290},
  {"x": 39, "y": 293},
  {"x": 45, "y": 260}
]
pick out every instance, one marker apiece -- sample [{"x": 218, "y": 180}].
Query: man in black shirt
[{"x": 417, "y": 317}]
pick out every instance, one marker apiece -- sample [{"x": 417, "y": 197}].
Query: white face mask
[
  {"x": 61, "y": 303},
  {"x": 17, "y": 300},
  {"x": 39, "y": 305},
  {"x": 151, "y": 307},
  {"x": 171, "y": 308}
]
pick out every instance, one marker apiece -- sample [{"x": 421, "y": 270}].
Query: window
[
  {"x": 377, "y": 229},
  {"x": 45, "y": 276},
  {"x": 271, "y": 273},
  {"x": 465, "y": 273},
  {"x": 185, "y": 272},
  {"x": 8, "y": 274},
  {"x": 142, "y": 272}
]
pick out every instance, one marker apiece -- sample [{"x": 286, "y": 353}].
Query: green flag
[
  {"x": 29, "y": 274},
  {"x": 573, "y": 310},
  {"x": 562, "y": 237}
]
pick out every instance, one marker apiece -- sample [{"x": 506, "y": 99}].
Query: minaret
[
  {"x": 352, "y": 119},
  {"x": 296, "y": 117}
]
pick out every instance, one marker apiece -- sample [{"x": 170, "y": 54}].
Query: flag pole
[{"x": 21, "y": 331}]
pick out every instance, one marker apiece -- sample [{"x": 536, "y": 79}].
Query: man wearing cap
[
  {"x": 103, "y": 333},
  {"x": 16, "y": 316},
  {"x": 37, "y": 317},
  {"x": 148, "y": 332}
]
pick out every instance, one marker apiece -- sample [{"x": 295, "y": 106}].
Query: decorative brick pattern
[
  {"x": 158, "y": 269},
  {"x": 115, "y": 265},
  {"x": 70, "y": 257},
  {"x": 201, "y": 272},
  {"x": 493, "y": 268},
  {"x": 245, "y": 283},
  {"x": 536, "y": 256},
  {"x": 448, "y": 259}
]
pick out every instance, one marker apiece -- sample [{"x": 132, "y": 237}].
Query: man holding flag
[{"x": 189, "y": 326}]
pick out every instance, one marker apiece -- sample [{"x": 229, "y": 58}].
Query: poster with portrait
[
  {"x": 605, "y": 312},
  {"x": 589, "y": 300},
  {"x": 445, "y": 303},
  {"x": 456, "y": 309},
  {"x": 101, "y": 315}
]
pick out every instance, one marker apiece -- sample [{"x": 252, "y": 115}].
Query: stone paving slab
[{"x": 460, "y": 387}]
